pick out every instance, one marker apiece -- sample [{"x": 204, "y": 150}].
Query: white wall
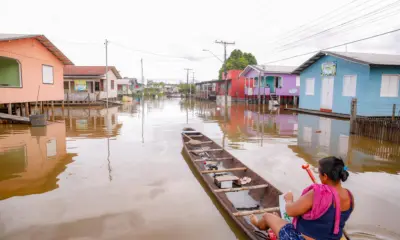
[{"x": 112, "y": 93}]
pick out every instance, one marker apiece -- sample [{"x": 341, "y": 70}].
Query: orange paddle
[{"x": 307, "y": 168}]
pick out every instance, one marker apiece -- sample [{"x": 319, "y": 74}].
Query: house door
[{"x": 327, "y": 94}]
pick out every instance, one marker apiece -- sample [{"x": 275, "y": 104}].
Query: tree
[{"x": 238, "y": 60}]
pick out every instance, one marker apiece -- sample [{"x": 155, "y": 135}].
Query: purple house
[{"x": 277, "y": 84}]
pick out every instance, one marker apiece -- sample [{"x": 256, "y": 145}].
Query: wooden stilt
[
  {"x": 241, "y": 189},
  {"x": 260, "y": 211},
  {"x": 26, "y": 109},
  {"x": 10, "y": 108},
  {"x": 224, "y": 170},
  {"x": 41, "y": 107},
  {"x": 21, "y": 113},
  {"x": 52, "y": 111}
]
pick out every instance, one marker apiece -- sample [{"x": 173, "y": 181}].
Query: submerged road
[{"x": 119, "y": 173}]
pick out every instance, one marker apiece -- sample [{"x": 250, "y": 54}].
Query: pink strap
[{"x": 337, "y": 210}]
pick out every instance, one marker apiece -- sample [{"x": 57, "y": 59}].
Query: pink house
[{"x": 27, "y": 63}]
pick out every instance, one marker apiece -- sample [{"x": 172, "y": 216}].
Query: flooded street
[{"x": 119, "y": 173}]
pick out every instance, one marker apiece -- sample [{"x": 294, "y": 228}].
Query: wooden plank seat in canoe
[{"x": 262, "y": 196}]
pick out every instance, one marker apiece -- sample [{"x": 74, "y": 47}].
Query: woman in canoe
[{"x": 322, "y": 210}]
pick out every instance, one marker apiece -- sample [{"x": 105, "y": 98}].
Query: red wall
[{"x": 237, "y": 82}]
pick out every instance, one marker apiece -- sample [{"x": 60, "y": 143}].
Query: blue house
[{"x": 329, "y": 80}]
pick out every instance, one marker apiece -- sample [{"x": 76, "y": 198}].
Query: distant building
[
  {"x": 27, "y": 63},
  {"x": 277, "y": 83},
  {"x": 82, "y": 83},
  {"x": 127, "y": 86},
  {"x": 329, "y": 80},
  {"x": 206, "y": 90}
]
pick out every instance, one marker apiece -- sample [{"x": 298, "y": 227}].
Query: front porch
[{"x": 85, "y": 91}]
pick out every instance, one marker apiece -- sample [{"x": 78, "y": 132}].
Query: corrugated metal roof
[
  {"x": 265, "y": 69},
  {"x": 211, "y": 81},
  {"x": 43, "y": 40},
  {"x": 274, "y": 68},
  {"x": 89, "y": 71},
  {"x": 369, "y": 58},
  {"x": 362, "y": 58}
]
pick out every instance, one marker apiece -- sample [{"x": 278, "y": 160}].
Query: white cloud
[{"x": 183, "y": 28}]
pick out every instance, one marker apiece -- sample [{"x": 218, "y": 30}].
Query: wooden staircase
[{"x": 274, "y": 99}]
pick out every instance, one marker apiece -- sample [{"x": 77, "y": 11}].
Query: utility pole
[
  {"x": 187, "y": 78},
  {"x": 142, "y": 100},
  {"x": 192, "y": 83},
  {"x": 106, "y": 43},
  {"x": 141, "y": 63},
  {"x": 225, "y": 70}
]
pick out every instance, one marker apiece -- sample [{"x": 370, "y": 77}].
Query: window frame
[
  {"x": 52, "y": 70},
  {"x": 355, "y": 88},
  {"x": 313, "y": 85},
  {"x": 297, "y": 81},
  {"x": 397, "y": 90},
  {"x": 112, "y": 83},
  {"x": 20, "y": 74}
]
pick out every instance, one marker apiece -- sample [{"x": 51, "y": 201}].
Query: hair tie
[{"x": 345, "y": 168}]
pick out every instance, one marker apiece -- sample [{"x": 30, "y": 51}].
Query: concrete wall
[
  {"x": 32, "y": 55},
  {"x": 341, "y": 104}
]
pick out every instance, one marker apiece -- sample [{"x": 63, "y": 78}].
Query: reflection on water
[
  {"x": 90, "y": 122},
  {"x": 113, "y": 168},
  {"x": 31, "y": 159},
  {"x": 320, "y": 137}
]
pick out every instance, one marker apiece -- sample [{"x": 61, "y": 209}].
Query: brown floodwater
[{"x": 119, "y": 173}]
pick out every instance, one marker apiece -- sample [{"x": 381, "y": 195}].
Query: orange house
[{"x": 27, "y": 63}]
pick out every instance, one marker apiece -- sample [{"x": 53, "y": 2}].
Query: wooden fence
[{"x": 386, "y": 128}]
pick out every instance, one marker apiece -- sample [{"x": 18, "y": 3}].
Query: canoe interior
[{"x": 231, "y": 201}]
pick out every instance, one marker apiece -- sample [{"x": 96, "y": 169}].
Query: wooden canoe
[
  {"x": 220, "y": 171},
  {"x": 217, "y": 167}
]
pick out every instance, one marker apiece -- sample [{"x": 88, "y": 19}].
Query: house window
[
  {"x": 112, "y": 84},
  {"x": 297, "y": 81},
  {"x": 310, "y": 86},
  {"x": 349, "y": 85},
  {"x": 390, "y": 86},
  {"x": 48, "y": 76},
  {"x": 10, "y": 72},
  {"x": 278, "y": 82}
]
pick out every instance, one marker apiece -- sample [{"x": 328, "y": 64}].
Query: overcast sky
[{"x": 170, "y": 35}]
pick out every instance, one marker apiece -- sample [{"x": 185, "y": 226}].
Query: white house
[{"x": 88, "y": 83}]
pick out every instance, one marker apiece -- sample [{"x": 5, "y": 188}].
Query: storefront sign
[
  {"x": 80, "y": 85},
  {"x": 328, "y": 69}
]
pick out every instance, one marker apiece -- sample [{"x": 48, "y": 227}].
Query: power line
[
  {"x": 315, "y": 21},
  {"x": 340, "y": 45},
  {"x": 373, "y": 20},
  {"x": 342, "y": 24},
  {"x": 155, "y": 54}
]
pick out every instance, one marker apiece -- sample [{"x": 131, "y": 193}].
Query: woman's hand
[{"x": 288, "y": 197}]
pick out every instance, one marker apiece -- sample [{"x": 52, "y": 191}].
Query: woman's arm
[{"x": 301, "y": 206}]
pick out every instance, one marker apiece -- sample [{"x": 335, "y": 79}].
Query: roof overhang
[
  {"x": 308, "y": 63},
  {"x": 45, "y": 42},
  {"x": 83, "y": 77},
  {"x": 115, "y": 71},
  {"x": 212, "y": 81}
]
